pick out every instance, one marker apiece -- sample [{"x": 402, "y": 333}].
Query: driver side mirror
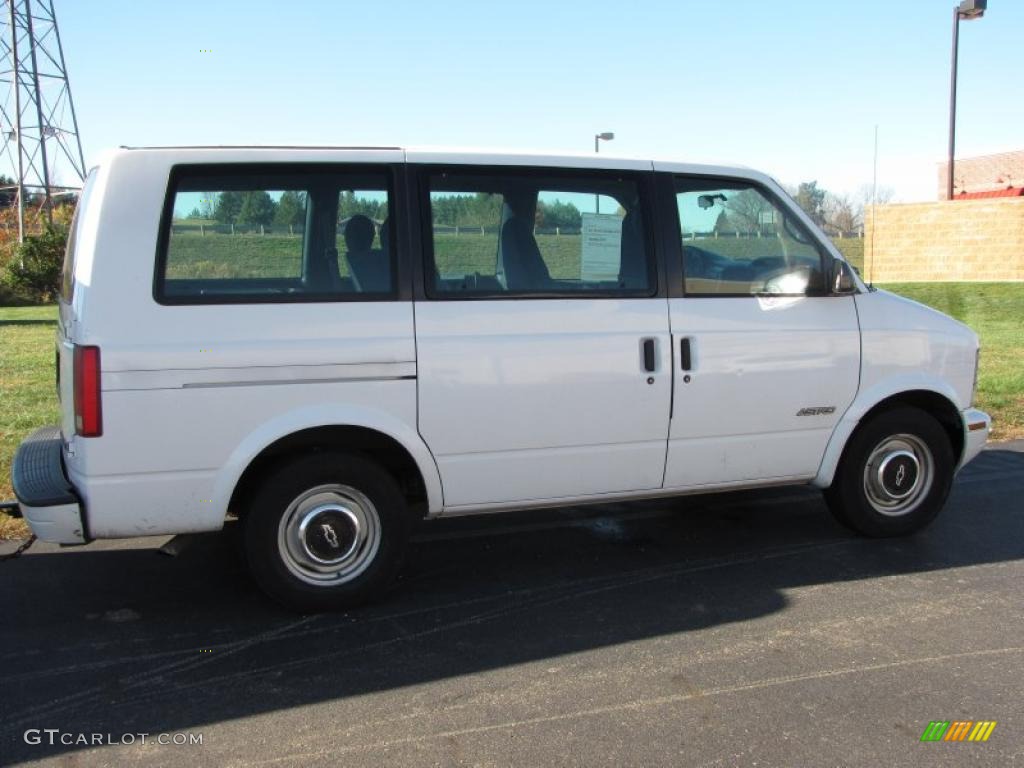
[{"x": 842, "y": 281}]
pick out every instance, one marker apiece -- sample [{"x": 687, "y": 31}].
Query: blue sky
[{"x": 793, "y": 88}]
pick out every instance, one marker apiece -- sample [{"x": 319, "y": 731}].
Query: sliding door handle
[
  {"x": 649, "y": 361},
  {"x": 685, "y": 359}
]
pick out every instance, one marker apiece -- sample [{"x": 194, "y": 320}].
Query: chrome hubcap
[
  {"x": 329, "y": 535},
  {"x": 898, "y": 474}
]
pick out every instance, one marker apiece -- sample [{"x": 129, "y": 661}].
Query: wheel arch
[
  {"x": 377, "y": 436},
  {"x": 936, "y": 401}
]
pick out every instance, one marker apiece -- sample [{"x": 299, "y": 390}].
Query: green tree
[
  {"x": 8, "y": 197},
  {"x": 349, "y": 204},
  {"x": 558, "y": 214},
  {"x": 257, "y": 209},
  {"x": 229, "y": 205},
  {"x": 36, "y": 266},
  {"x": 812, "y": 199},
  {"x": 481, "y": 209},
  {"x": 442, "y": 209},
  {"x": 291, "y": 210}
]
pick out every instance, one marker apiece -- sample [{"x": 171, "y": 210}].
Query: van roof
[
  {"x": 257, "y": 146},
  {"x": 497, "y": 156}
]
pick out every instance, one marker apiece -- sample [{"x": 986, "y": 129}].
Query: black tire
[
  {"x": 865, "y": 484},
  {"x": 338, "y": 495}
]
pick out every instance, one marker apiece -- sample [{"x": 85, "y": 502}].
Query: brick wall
[
  {"x": 960, "y": 240},
  {"x": 983, "y": 173}
]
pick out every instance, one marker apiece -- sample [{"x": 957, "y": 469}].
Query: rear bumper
[
  {"x": 977, "y": 425},
  {"x": 46, "y": 497}
]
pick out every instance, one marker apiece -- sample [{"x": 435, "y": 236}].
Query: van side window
[
  {"x": 267, "y": 236},
  {"x": 739, "y": 241},
  {"x": 522, "y": 234},
  {"x": 67, "y": 280}
]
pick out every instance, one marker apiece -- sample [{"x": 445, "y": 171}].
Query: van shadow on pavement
[{"x": 121, "y": 639}]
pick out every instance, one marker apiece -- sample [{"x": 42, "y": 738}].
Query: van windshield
[{"x": 67, "y": 283}]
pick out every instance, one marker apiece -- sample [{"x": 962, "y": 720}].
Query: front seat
[{"x": 525, "y": 269}]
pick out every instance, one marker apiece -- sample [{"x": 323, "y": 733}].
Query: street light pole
[
  {"x": 952, "y": 102},
  {"x": 598, "y": 137},
  {"x": 968, "y": 9}
]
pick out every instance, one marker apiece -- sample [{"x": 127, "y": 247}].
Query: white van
[{"x": 331, "y": 344}]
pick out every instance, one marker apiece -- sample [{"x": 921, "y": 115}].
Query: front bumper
[
  {"x": 977, "y": 425},
  {"x": 46, "y": 497}
]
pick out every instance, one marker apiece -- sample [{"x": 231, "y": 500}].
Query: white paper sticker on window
[{"x": 602, "y": 247}]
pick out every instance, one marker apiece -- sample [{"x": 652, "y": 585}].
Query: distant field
[
  {"x": 215, "y": 255},
  {"x": 473, "y": 253},
  {"x": 191, "y": 255}
]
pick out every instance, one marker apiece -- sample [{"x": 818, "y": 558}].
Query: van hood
[{"x": 914, "y": 314}]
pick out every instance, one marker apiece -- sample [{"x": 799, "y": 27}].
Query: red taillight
[{"x": 88, "y": 414}]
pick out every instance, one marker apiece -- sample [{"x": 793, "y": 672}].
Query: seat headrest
[{"x": 359, "y": 232}]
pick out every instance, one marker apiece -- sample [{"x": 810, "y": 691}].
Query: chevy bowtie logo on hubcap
[
  {"x": 898, "y": 475},
  {"x": 329, "y": 535}
]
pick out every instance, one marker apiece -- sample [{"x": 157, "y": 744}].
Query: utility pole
[{"x": 41, "y": 146}]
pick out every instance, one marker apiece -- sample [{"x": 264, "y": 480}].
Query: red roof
[{"x": 1008, "y": 192}]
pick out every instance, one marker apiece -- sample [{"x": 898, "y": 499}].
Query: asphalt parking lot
[{"x": 745, "y": 629}]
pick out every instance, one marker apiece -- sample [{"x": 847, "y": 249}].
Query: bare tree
[
  {"x": 841, "y": 213},
  {"x": 883, "y": 195},
  {"x": 207, "y": 204},
  {"x": 863, "y": 199},
  {"x": 745, "y": 209}
]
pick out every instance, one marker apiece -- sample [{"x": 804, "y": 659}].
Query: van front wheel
[
  {"x": 326, "y": 531},
  {"x": 895, "y": 474}
]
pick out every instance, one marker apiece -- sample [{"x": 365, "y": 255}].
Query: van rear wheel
[
  {"x": 326, "y": 531},
  {"x": 895, "y": 474}
]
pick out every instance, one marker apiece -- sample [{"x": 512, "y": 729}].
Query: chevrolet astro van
[{"x": 331, "y": 344}]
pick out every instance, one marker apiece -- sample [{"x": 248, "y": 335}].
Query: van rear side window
[
  {"x": 67, "y": 281},
  {"x": 259, "y": 235}
]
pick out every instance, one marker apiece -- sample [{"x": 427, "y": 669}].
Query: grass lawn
[
  {"x": 994, "y": 310},
  {"x": 27, "y": 396},
  {"x": 996, "y": 313},
  {"x": 852, "y": 249}
]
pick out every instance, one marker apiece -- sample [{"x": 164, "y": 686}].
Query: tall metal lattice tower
[{"x": 41, "y": 148}]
